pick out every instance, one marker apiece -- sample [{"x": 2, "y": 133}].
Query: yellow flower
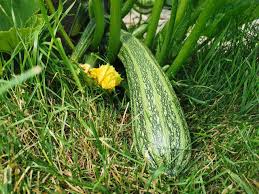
[{"x": 106, "y": 76}]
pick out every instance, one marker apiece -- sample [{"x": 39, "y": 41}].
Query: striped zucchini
[{"x": 160, "y": 129}]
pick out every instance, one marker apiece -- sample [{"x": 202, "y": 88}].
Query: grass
[{"x": 55, "y": 139}]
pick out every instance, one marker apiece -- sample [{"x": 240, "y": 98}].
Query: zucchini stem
[
  {"x": 1, "y": 67},
  {"x": 115, "y": 28},
  {"x": 98, "y": 10},
  {"x": 84, "y": 42},
  {"x": 152, "y": 27},
  {"x": 192, "y": 39},
  {"x": 181, "y": 11},
  {"x": 161, "y": 55}
]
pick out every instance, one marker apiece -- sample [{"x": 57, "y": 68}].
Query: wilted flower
[{"x": 106, "y": 76}]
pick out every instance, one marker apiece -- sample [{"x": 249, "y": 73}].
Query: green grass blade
[
  {"x": 20, "y": 79},
  {"x": 98, "y": 143},
  {"x": 61, "y": 28},
  {"x": 80, "y": 19},
  {"x": 59, "y": 46},
  {"x": 244, "y": 185}
]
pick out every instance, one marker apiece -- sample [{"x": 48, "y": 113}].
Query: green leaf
[
  {"x": 16, "y": 12},
  {"x": 11, "y": 38},
  {"x": 18, "y": 23}
]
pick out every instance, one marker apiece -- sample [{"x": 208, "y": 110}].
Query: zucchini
[{"x": 160, "y": 130}]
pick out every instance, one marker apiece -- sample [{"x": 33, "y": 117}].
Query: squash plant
[
  {"x": 160, "y": 131},
  {"x": 152, "y": 56}
]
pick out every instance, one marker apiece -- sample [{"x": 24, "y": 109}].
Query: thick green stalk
[
  {"x": 127, "y": 6},
  {"x": 161, "y": 55},
  {"x": 181, "y": 11},
  {"x": 152, "y": 27},
  {"x": 183, "y": 4},
  {"x": 90, "y": 9},
  {"x": 98, "y": 11},
  {"x": 192, "y": 39},
  {"x": 60, "y": 27},
  {"x": 115, "y": 28}
]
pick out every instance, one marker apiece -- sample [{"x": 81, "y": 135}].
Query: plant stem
[
  {"x": 115, "y": 28},
  {"x": 181, "y": 12},
  {"x": 98, "y": 11},
  {"x": 90, "y": 9},
  {"x": 127, "y": 6},
  {"x": 152, "y": 27},
  {"x": 183, "y": 4},
  {"x": 60, "y": 27},
  {"x": 140, "y": 30},
  {"x": 190, "y": 43},
  {"x": 161, "y": 55}
]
